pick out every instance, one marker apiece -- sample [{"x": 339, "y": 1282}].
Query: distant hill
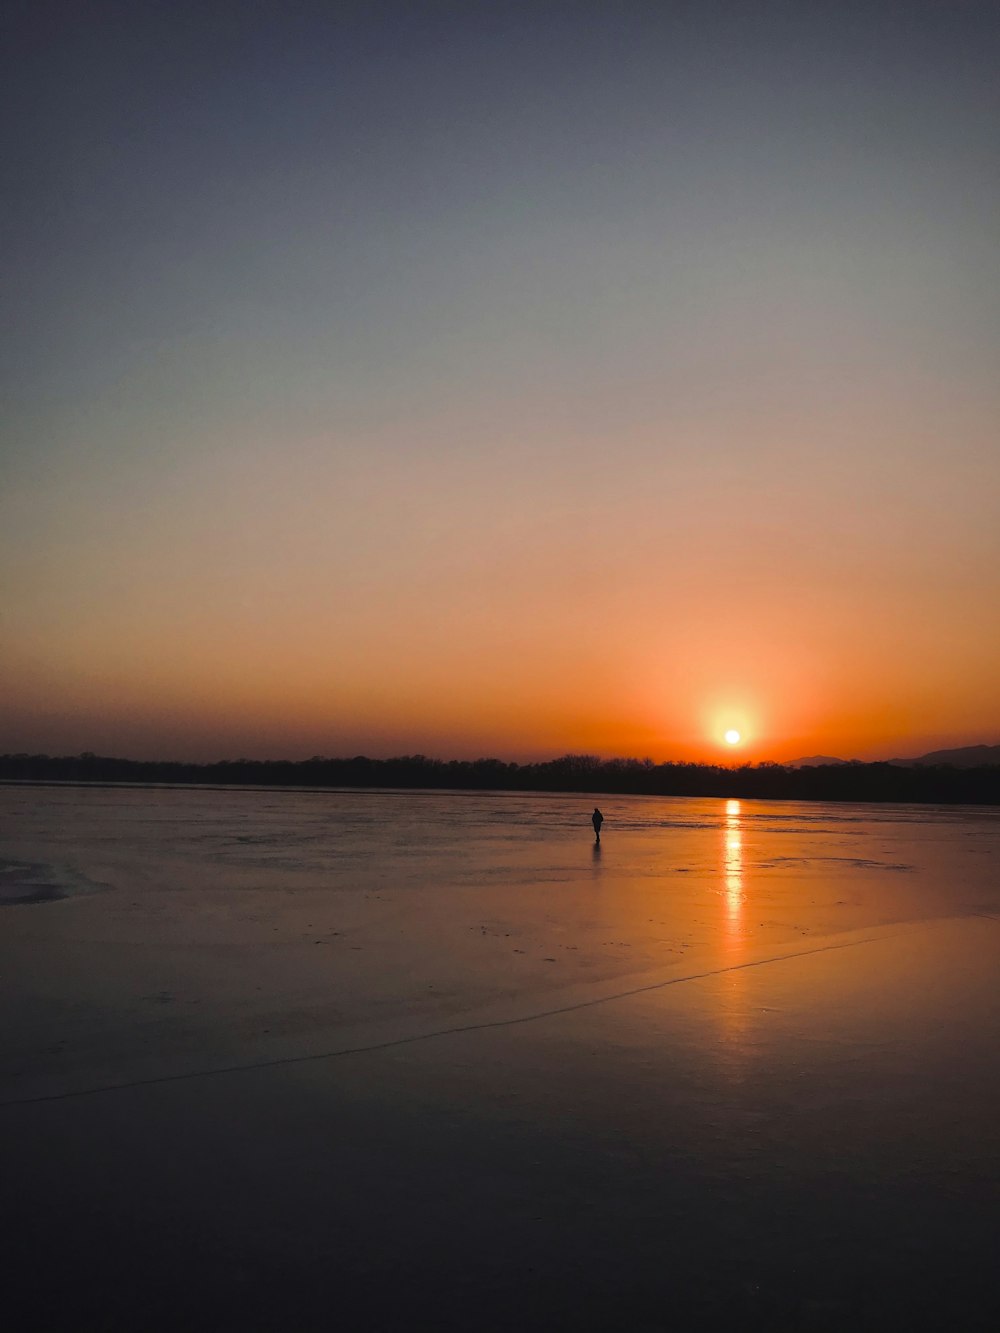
[{"x": 967, "y": 756}]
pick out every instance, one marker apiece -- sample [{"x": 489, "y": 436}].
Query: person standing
[{"x": 597, "y": 819}]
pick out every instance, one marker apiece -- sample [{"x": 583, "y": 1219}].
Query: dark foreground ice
[{"x": 403, "y": 1061}]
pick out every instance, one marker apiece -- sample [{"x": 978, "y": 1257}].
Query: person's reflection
[{"x": 595, "y": 853}]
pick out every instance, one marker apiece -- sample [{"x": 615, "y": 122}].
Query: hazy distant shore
[{"x": 880, "y": 782}]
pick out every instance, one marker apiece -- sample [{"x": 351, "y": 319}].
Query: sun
[{"x": 732, "y": 736}]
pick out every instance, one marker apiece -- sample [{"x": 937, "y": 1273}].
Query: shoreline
[{"x": 577, "y": 793}]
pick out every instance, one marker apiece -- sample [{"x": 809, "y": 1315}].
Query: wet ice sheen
[
  {"x": 736, "y": 1068},
  {"x": 294, "y": 923}
]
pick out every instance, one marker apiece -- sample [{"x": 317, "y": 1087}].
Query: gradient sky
[{"x": 498, "y": 378}]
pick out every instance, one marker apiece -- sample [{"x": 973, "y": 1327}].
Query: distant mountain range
[{"x": 967, "y": 756}]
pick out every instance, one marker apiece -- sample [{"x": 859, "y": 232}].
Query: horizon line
[{"x": 586, "y": 758}]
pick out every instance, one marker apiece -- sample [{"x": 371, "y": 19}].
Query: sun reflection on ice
[
  {"x": 733, "y": 864},
  {"x": 732, "y": 984}
]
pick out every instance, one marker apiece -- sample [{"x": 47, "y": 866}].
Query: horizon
[{"x": 589, "y": 379}]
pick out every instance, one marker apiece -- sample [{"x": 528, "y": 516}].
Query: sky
[{"x": 500, "y": 379}]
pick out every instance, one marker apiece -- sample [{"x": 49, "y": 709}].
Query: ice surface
[{"x": 735, "y": 1068}]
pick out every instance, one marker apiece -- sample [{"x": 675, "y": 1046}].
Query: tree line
[{"x": 571, "y": 773}]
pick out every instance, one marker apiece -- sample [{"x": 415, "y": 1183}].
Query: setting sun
[{"x": 732, "y": 737}]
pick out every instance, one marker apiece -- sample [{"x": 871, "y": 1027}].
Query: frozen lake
[{"x": 400, "y": 1060}]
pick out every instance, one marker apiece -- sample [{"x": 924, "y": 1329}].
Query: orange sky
[
  {"x": 598, "y": 402},
  {"x": 286, "y": 608}
]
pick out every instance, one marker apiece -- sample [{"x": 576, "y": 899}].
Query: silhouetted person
[{"x": 597, "y": 819}]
